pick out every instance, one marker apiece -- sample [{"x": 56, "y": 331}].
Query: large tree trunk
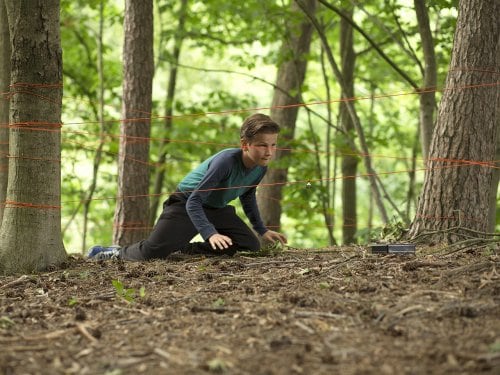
[
  {"x": 428, "y": 97},
  {"x": 132, "y": 207},
  {"x": 349, "y": 158},
  {"x": 457, "y": 193},
  {"x": 492, "y": 212},
  {"x": 5, "y": 52},
  {"x": 291, "y": 74},
  {"x": 30, "y": 237},
  {"x": 492, "y": 215}
]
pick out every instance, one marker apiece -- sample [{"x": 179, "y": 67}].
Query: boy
[{"x": 200, "y": 204}]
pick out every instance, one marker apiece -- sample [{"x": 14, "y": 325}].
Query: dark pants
[{"x": 174, "y": 230}]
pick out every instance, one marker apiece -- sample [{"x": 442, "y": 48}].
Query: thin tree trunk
[
  {"x": 103, "y": 128},
  {"x": 352, "y": 113},
  {"x": 169, "y": 106},
  {"x": 30, "y": 236},
  {"x": 371, "y": 126},
  {"x": 323, "y": 197},
  {"x": 330, "y": 185},
  {"x": 132, "y": 208},
  {"x": 428, "y": 95},
  {"x": 5, "y": 52},
  {"x": 349, "y": 158},
  {"x": 455, "y": 194},
  {"x": 291, "y": 75},
  {"x": 410, "y": 195}
]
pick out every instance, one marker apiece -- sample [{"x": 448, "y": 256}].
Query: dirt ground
[{"x": 326, "y": 311}]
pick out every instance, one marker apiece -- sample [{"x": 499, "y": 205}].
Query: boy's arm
[
  {"x": 218, "y": 170},
  {"x": 249, "y": 204}
]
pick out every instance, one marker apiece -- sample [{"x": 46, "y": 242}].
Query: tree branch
[{"x": 372, "y": 42}]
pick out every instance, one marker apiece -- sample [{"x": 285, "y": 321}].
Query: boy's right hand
[{"x": 219, "y": 241}]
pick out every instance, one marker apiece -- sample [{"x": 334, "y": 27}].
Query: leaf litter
[{"x": 326, "y": 311}]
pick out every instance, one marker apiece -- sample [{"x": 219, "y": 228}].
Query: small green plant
[
  {"x": 217, "y": 365},
  {"x": 324, "y": 285},
  {"x": 84, "y": 275},
  {"x": 269, "y": 250},
  {"x": 219, "y": 302},
  {"x": 72, "y": 301},
  {"x": 495, "y": 347},
  {"x": 393, "y": 231},
  {"x": 127, "y": 294},
  {"x": 6, "y": 322}
]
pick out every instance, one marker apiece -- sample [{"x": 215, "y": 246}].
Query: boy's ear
[{"x": 244, "y": 144}]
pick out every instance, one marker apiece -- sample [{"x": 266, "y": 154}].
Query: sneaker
[{"x": 99, "y": 252}]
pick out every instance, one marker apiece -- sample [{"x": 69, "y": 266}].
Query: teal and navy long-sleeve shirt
[{"x": 218, "y": 180}]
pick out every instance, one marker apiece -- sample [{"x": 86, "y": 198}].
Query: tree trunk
[
  {"x": 132, "y": 207},
  {"x": 492, "y": 216},
  {"x": 457, "y": 193},
  {"x": 169, "y": 106},
  {"x": 492, "y": 211},
  {"x": 428, "y": 96},
  {"x": 30, "y": 236},
  {"x": 103, "y": 128},
  {"x": 4, "y": 103},
  {"x": 349, "y": 158},
  {"x": 357, "y": 125},
  {"x": 291, "y": 74}
]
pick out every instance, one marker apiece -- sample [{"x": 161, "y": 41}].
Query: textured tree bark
[
  {"x": 291, "y": 74},
  {"x": 428, "y": 97},
  {"x": 496, "y": 171},
  {"x": 132, "y": 209},
  {"x": 456, "y": 189},
  {"x": 5, "y": 52},
  {"x": 30, "y": 236},
  {"x": 349, "y": 158}
]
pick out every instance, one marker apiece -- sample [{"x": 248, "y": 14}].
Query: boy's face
[{"x": 260, "y": 150}]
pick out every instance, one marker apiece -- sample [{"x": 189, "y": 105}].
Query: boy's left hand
[{"x": 273, "y": 236}]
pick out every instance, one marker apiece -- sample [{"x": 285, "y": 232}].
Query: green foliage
[
  {"x": 217, "y": 365},
  {"x": 268, "y": 250},
  {"x": 128, "y": 295},
  {"x": 495, "y": 347},
  {"x": 6, "y": 322},
  {"x": 222, "y": 39},
  {"x": 324, "y": 285},
  {"x": 219, "y": 302}
]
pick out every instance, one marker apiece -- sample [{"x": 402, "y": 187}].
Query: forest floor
[{"x": 328, "y": 311}]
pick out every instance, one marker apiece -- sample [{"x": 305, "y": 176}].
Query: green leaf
[
  {"x": 217, "y": 365},
  {"x": 6, "y": 322},
  {"x": 219, "y": 302}
]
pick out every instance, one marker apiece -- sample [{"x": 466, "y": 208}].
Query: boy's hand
[
  {"x": 219, "y": 241},
  {"x": 273, "y": 236}
]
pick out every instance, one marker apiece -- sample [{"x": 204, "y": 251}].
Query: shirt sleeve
[
  {"x": 218, "y": 170},
  {"x": 249, "y": 204}
]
